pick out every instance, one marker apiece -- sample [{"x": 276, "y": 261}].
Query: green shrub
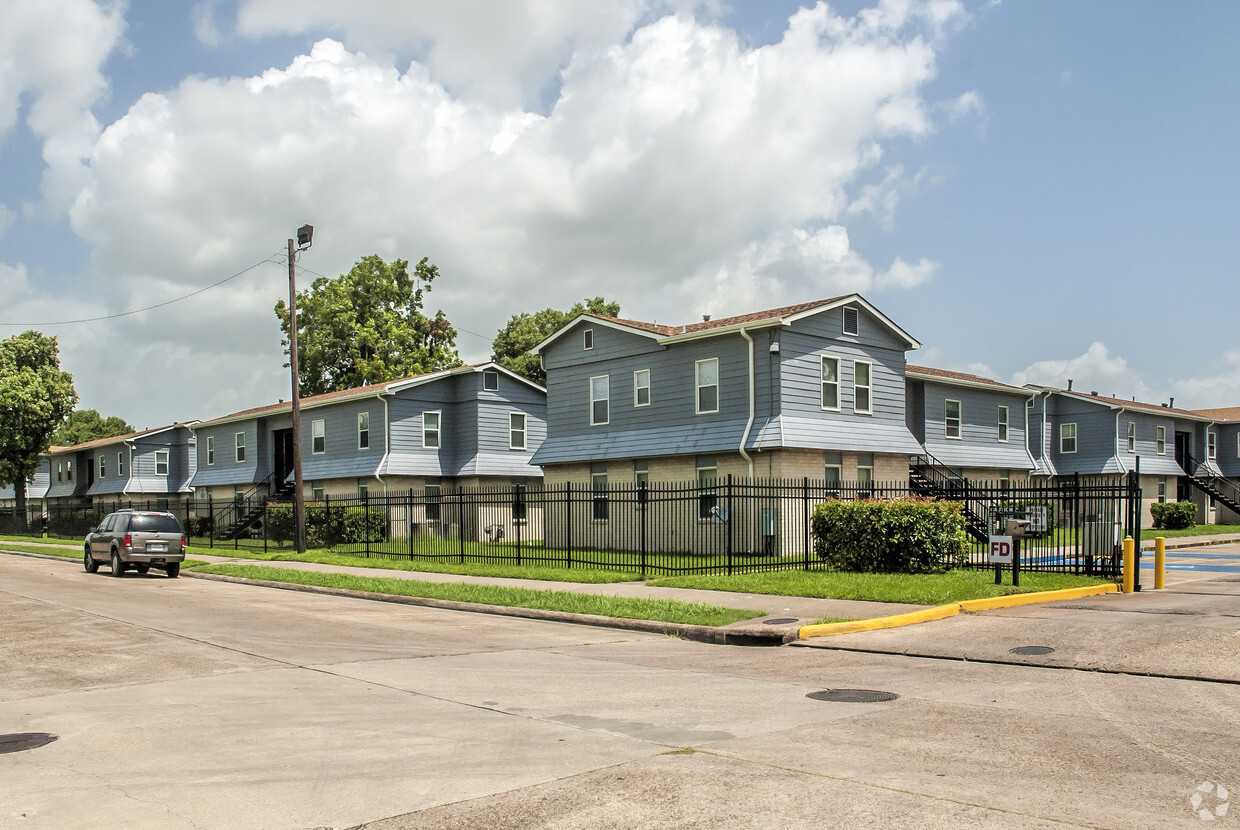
[
  {"x": 362, "y": 526},
  {"x": 895, "y": 536},
  {"x": 198, "y": 527},
  {"x": 1174, "y": 515},
  {"x": 325, "y": 527}
]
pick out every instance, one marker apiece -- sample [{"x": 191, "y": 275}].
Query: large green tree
[
  {"x": 88, "y": 425},
  {"x": 35, "y": 398},
  {"x": 367, "y": 326},
  {"x": 525, "y": 331}
]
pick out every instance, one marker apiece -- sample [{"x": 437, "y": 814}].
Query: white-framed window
[
  {"x": 363, "y": 488},
  {"x": 490, "y": 380},
  {"x": 951, "y": 418},
  {"x": 316, "y": 491},
  {"x": 862, "y": 386},
  {"x": 239, "y": 441},
  {"x": 60, "y": 470},
  {"x": 520, "y": 512},
  {"x": 103, "y": 466},
  {"x": 707, "y": 479},
  {"x": 831, "y": 383},
  {"x": 641, "y": 482},
  {"x": 600, "y": 508},
  {"x": 600, "y": 400},
  {"x": 1211, "y": 444},
  {"x": 161, "y": 462},
  {"x": 1005, "y": 480},
  {"x": 1162, "y": 489},
  {"x": 430, "y": 430},
  {"x": 210, "y": 450},
  {"x": 318, "y": 436},
  {"x": 516, "y": 430},
  {"x": 1003, "y": 424},
  {"x": 865, "y": 477},
  {"x": 69, "y": 471},
  {"x": 363, "y": 430},
  {"x": 1160, "y": 440},
  {"x": 833, "y": 474},
  {"x": 1067, "y": 438},
  {"x": 587, "y": 339},
  {"x": 1132, "y": 436},
  {"x": 433, "y": 493},
  {"x": 706, "y": 374},
  {"x": 852, "y": 320},
  {"x": 641, "y": 387},
  {"x": 120, "y": 463}
]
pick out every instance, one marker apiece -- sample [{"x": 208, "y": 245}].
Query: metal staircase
[
  {"x": 929, "y": 477},
  {"x": 250, "y": 506},
  {"x": 1217, "y": 487}
]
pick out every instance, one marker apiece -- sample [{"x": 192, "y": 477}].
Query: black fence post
[
  {"x": 409, "y": 521},
  {"x": 264, "y": 521},
  {"x": 568, "y": 525},
  {"x": 365, "y": 522},
  {"x": 460, "y": 521},
  {"x": 805, "y": 505},
  {"x": 518, "y": 493},
  {"x": 727, "y": 524},
  {"x": 210, "y": 522},
  {"x": 643, "y": 505}
]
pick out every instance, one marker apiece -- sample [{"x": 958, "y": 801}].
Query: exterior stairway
[
  {"x": 1217, "y": 487},
  {"x": 928, "y": 477},
  {"x": 251, "y": 506}
]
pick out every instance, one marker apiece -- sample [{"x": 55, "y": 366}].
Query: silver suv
[{"x": 143, "y": 540}]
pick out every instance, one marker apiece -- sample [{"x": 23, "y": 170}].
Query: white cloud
[
  {"x": 1094, "y": 371},
  {"x": 1219, "y": 388},
  {"x": 7, "y": 217},
  {"x": 679, "y": 171},
  {"x": 14, "y": 285},
  {"x": 205, "y": 27},
  {"x": 53, "y": 51}
]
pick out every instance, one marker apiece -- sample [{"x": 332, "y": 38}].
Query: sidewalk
[
  {"x": 1175, "y": 543},
  {"x": 792, "y": 612}
]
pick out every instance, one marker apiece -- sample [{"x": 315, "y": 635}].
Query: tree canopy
[
  {"x": 88, "y": 425},
  {"x": 367, "y": 326},
  {"x": 525, "y": 331},
  {"x": 35, "y": 397}
]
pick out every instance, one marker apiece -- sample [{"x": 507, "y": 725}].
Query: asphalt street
[{"x": 198, "y": 704}]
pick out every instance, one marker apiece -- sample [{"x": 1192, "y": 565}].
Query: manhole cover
[
  {"x": 852, "y": 696},
  {"x": 1031, "y": 650},
  {"x": 25, "y": 740},
  {"x": 780, "y": 621}
]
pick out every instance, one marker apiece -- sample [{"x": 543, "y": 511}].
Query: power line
[{"x": 150, "y": 307}]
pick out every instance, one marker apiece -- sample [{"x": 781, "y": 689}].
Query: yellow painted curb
[
  {"x": 951, "y": 609},
  {"x": 1039, "y": 596},
  {"x": 895, "y": 621}
]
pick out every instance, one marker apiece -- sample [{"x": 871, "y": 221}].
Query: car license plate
[{"x": 157, "y": 546}]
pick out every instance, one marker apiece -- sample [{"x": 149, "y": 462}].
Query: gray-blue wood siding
[
  {"x": 1228, "y": 449},
  {"x": 979, "y": 444},
  {"x": 1146, "y": 444},
  {"x": 1095, "y": 436}
]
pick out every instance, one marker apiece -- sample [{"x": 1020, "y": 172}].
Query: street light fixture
[{"x": 305, "y": 236}]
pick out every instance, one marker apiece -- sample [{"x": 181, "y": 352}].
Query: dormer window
[
  {"x": 852, "y": 322},
  {"x": 588, "y": 339}
]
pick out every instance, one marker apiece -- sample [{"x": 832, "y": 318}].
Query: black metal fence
[{"x": 1076, "y": 525}]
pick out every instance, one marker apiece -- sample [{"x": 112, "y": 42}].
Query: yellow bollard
[
  {"x": 1130, "y": 559},
  {"x": 1160, "y": 561}
]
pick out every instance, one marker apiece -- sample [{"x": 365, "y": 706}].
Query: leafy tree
[
  {"x": 35, "y": 398},
  {"x": 367, "y": 326},
  {"x": 88, "y": 425},
  {"x": 525, "y": 331}
]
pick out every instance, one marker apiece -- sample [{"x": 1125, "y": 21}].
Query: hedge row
[
  {"x": 1174, "y": 515},
  {"x": 890, "y": 536}
]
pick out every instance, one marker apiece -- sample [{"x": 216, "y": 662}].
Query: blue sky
[{"x": 1036, "y": 191}]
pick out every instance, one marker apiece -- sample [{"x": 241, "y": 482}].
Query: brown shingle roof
[
  {"x": 723, "y": 322},
  {"x": 965, "y": 376},
  {"x": 1127, "y": 404},
  {"x": 99, "y": 442},
  {"x": 1226, "y": 413}
]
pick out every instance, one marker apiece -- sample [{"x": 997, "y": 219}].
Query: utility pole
[{"x": 304, "y": 236}]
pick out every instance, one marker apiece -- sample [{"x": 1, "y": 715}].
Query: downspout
[
  {"x": 387, "y": 441},
  {"x": 745, "y": 440},
  {"x": 128, "y": 471}
]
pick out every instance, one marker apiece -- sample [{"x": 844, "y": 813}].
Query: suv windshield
[{"x": 154, "y": 524}]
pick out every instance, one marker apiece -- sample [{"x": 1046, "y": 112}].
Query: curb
[
  {"x": 951, "y": 609},
  {"x": 1198, "y": 544},
  {"x": 697, "y": 633}
]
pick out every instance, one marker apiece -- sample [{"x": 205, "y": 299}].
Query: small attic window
[
  {"x": 851, "y": 322},
  {"x": 490, "y": 380},
  {"x": 588, "y": 337}
]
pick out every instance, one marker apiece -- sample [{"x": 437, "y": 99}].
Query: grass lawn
[
  {"x": 326, "y": 557},
  {"x": 605, "y": 606},
  {"x": 915, "y": 589},
  {"x": 1148, "y": 534},
  {"x": 47, "y": 540},
  {"x": 47, "y": 549}
]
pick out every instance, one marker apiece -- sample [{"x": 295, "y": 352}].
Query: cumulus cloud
[
  {"x": 53, "y": 53},
  {"x": 1094, "y": 371},
  {"x": 678, "y": 170},
  {"x": 1219, "y": 387}
]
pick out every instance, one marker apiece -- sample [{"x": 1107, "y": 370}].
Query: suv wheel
[
  {"x": 88, "y": 562},
  {"x": 174, "y": 569},
  {"x": 118, "y": 567}
]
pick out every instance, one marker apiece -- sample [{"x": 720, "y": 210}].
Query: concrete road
[{"x": 196, "y": 704}]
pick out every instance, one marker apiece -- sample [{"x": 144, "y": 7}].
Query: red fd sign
[{"x": 1001, "y": 550}]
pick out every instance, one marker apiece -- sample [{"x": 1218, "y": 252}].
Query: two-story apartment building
[
  {"x": 153, "y": 464},
  {"x": 814, "y": 390},
  {"x": 972, "y": 425},
  {"x": 36, "y": 491},
  {"x": 469, "y": 426},
  {"x": 1224, "y": 456}
]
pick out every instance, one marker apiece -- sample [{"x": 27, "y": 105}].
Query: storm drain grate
[
  {"x": 852, "y": 696},
  {"x": 1031, "y": 650},
  {"x": 780, "y": 621},
  {"x": 19, "y": 741}
]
